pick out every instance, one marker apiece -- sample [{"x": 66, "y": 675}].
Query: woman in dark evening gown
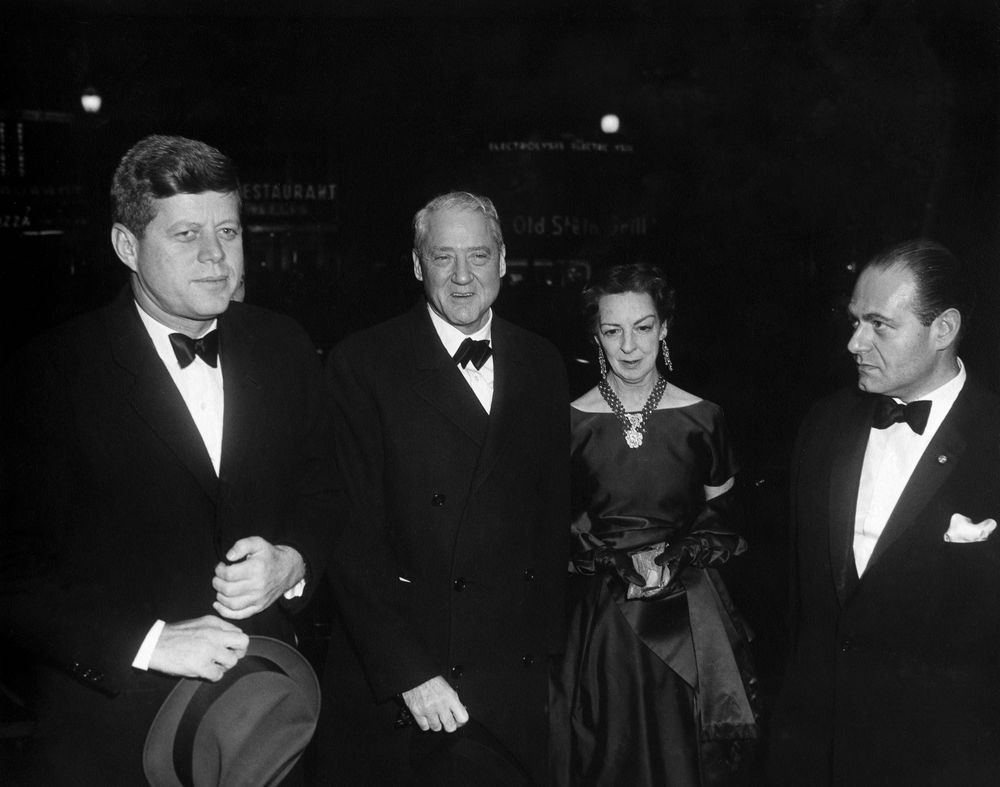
[{"x": 656, "y": 686}]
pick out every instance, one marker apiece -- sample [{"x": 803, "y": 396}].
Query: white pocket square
[{"x": 962, "y": 530}]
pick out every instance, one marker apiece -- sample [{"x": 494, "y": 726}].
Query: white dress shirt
[
  {"x": 890, "y": 458},
  {"x": 479, "y": 380},
  {"x": 199, "y": 384}
]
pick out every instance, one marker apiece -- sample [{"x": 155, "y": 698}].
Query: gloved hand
[
  {"x": 618, "y": 562},
  {"x": 711, "y": 540},
  {"x": 701, "y": 551}
]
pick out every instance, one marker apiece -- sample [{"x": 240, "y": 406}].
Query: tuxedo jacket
[
  {"x": 894, "y": 677},
  {"x": 453, "y": 558},
  {"x": 114, "y": 516}
]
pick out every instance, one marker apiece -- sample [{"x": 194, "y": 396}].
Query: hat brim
[{"x": 171, "y": 734}]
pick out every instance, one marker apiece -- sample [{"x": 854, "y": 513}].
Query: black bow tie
[
  {"x": 186, "y": 348},
  {"x": 473, "y": 350},
  {"x": 889, "y": 412}
]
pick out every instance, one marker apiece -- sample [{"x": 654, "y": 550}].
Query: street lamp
[{"x": 90, "y": 99}]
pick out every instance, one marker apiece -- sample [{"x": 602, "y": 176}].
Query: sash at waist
[{"x": 697, "y": 646}]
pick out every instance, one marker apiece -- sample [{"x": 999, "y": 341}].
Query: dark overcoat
[
  {"x": 455, "y": 553},
  {"x": 114, "y": 516},
  {"x": 894, "y": 677}
]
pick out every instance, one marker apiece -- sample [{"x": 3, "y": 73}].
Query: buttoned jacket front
[{"x": 455, "y": 553}]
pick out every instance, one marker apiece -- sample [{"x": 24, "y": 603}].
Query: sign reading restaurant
[
  {"x": 323, "y": 192},
  {"x": 296, "y": 202}
]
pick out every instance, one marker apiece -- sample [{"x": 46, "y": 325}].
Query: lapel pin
[{"x": 942, "y": 459}]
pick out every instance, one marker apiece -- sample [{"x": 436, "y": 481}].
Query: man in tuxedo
[
  {"x": 168, "y": 475},
  {"x": 895, "y": 668},
  {"x": 452, "y": 430}
]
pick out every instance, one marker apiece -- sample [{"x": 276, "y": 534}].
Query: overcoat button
[
  {"x": 456, "y": 671},
  {"x": 527, "y": 659},
  {"x": 528, "y": 575},
  {"x": 459, "y": 584},
  {"x": 438, "y": 499},
  {"x": 847, "y": 645},
  {"x": 942, "y": 459}
]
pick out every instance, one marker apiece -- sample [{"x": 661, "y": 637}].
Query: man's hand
[
  {"x": 435, "y": 705},
  {"x": 260, "y": 573},
  {"x": 200, "y": 648}
]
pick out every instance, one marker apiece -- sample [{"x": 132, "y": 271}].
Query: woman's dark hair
[
  {"x": 158, "y": 167},
  {"x": 618, "y": 279}
]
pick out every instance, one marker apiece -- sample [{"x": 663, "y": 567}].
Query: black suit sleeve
[
  {"x": 803, "y": 445},
  {"x": 52, "y": 600},
  {"x": 364, "y": 571},
  {"x": 318, "y": 499},
  {"x": 555, "y": 491}
]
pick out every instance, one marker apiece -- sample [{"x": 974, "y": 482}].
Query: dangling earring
[
  {"x": 601, "y": 362},
  {"x": 666, "y": 354}
]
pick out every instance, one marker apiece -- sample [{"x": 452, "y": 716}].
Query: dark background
[{"x": 766, "y": 149}]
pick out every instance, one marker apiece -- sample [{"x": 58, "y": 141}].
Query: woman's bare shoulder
[
  {"x": 676, "y": 397},
  {"x": 591, "y": 402}
]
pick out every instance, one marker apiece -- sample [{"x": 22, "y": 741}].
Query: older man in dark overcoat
[{"x": 452, "y": 432}]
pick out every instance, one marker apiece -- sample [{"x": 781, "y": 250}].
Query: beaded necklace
[{"x": 633, "y": 424}]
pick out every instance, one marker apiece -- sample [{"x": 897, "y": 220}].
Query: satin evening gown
[{"x": 656, "y": 692}]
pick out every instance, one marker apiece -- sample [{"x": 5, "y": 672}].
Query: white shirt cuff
[
  {"x": 296, "y": 590},
  {"x": 145, "y": 653}
]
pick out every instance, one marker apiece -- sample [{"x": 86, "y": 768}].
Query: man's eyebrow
[
  {"x": 452, "y": 248},
  {"x": 869, "y": 316}
]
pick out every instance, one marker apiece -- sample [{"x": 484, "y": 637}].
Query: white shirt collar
[
  {"x": 451, "y": 337},
  {"x": 942, "y": 398}
]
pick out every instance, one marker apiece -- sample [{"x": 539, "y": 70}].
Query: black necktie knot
[
  {"x": 477, "y": 351},
  {"x": 186, "y": 348},
  {"x": 889, "y": 412}
]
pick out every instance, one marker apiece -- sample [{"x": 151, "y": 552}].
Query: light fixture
[
  {"x": 90, "y": 99},
  {"x": 610, "y": 124}
]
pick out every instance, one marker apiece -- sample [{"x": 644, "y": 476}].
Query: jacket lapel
[
  {"x": 152, "y": 392},
  {"x": 508, "y": 388},
  {"x": 846, "y": 458},
  {"x": 440, "y": 382},
  {"x": 243, "y": 381},
  {"x": 936, "y": 464}
]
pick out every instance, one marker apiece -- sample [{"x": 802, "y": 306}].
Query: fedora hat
[{"x": 249, "y": 728}]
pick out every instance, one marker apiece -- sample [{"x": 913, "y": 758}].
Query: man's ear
[
  {"x": 126, "y": 245},
  {"x": 947, "y": 326},
  {"x": 503, "y": 263},
  {"x": 418, "y": 272}
]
